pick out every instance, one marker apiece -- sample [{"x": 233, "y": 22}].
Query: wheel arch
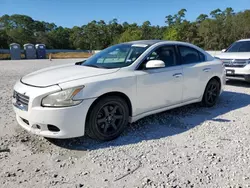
[
  {"x": 113, "y": 93},
  {"x": 217, "y": 79},
  {"x": 214, "y": 77}
]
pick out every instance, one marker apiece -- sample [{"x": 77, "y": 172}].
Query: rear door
[{"x": 196, "y": 72}]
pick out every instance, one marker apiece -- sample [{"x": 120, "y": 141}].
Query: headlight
[{"x": 62, "y": 98}]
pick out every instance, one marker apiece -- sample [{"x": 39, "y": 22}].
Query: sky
[{"x": 69, "y": 13}]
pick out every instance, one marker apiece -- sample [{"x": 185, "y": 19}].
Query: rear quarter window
[
  {"x": 202, "y": 56},
  {"x": 190, "y": 55}
]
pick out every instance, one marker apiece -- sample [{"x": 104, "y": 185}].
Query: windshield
[
  {"x": 117, "y": 56},
  {"x": 242, "y": 46}
]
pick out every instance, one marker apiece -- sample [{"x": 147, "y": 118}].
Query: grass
[
  {"x": 67, "y": 55},
  {"x": 4, "y": 56},
  {"x": 60, "y": 55}
]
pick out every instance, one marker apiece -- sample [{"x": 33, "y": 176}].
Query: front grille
[
  {"x": 21, "y": 99},
  {"x": 238, "y": 63}
]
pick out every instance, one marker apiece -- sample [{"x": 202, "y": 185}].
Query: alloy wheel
[
  {"x": 109, "y": 118},
  {"x": 212, "y": 93}
]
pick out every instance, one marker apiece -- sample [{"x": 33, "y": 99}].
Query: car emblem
[{"x": 232, "y": 62}]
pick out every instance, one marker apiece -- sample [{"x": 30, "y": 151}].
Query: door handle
[
  {"x": 177, "y": 75},
  {"x": 207, "y": 69}
]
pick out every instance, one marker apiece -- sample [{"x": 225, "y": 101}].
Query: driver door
[{"x": 159, "y": 87}]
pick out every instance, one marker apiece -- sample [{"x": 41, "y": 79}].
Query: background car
[
  {"x": 121, "y": 84},
  {"x": 236, "y": 59}
]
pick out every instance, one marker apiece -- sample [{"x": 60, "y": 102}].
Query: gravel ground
[{"x": 190, "y": 146}]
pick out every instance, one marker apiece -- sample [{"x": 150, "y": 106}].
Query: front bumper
[
  {"x": 238, "y": 73},
  {"x": 70, "y": 121}
]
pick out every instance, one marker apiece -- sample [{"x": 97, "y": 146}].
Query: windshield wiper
[{"x": 96, "y": 66}]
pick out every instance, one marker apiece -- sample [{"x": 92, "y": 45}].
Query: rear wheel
[
  {"x": 211, "y": 93},
  {"x": 108, "y": 118}
]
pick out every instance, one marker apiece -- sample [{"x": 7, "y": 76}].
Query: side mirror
[
  {"x": 223, "y": 50},
  {"x": 155, "y": 64}
]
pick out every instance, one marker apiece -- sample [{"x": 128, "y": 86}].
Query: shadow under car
[{"x": 165, "y": 124}]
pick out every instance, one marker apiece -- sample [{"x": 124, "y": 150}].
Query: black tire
[
  {"x": 211, "y": 94},
  {"x": 107, "y": 119}
]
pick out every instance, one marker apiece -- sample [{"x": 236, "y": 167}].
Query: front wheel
[
  {"x": 211, "y": 93},
  {"x": 107, "y": 119}
]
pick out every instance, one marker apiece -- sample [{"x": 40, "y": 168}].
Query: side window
[
  {"x": 202, "y": 56},
  {"x": 165, "y": 53},
  {"x": 189, "y": 55}
]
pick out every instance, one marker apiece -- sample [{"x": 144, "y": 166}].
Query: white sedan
[{"x": 121, "y": 84}]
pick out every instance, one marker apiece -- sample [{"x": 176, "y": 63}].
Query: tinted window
[
  {"x": 242, "y": 46},
  {"x": 189, "y": 55},
  {"x": 164, "y": 53},
  {"x": 202, "y": 56}
]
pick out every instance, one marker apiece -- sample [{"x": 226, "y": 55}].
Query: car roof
[
  {"x": 146, "y": 42},
  {"x": 152, "y": 42}
]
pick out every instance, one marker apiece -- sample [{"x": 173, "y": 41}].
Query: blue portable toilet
[
  {"x": 15, "y": 51},
  {"x": 29, "y": 51},
  {"x": 41, "y": 51}
]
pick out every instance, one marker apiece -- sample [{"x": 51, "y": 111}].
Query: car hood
[
  {"x": 62, "y": 73},
  {"x": 234, "y": 55}
]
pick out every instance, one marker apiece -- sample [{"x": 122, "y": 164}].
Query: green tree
[
  {"x": 201, "y": 18},
  {"x": 59, "y": 38},
  {"x": 3, "y": 39},
  {"x": 212, "y": 32},
  {"x": 146, "y": 30},
  {"x": 171, "y": 33},
  {"x": 131, "y": 34}
]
